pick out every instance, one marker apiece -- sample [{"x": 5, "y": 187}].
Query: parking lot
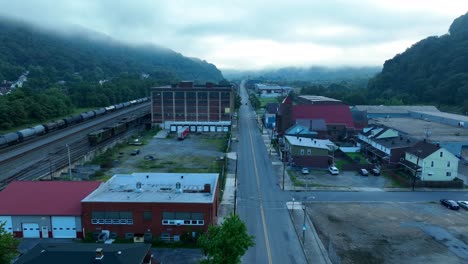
[
  {"x": 392, "y": 232},
  {"x": 343, "y": 179}
]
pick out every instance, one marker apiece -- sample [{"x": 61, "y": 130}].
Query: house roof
[
  {"x": 83, "y": 253},
  {"x": 300, "y": 130},
  {"x": 310, "y": 142},
  {"x": 318, "y": 98},
  {"x": 45, "y": 197},
  {"x": 331, "y": 113},
  {"x": 423, "y": 149},
  {"x": 157, "y": 188},
  {"x": 313, "y": 124}
]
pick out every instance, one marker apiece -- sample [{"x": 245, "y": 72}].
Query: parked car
[
  {"x": 305, "y": 171},
  {"x": 333, "y": 170},
  {"x": 135, "y": 152},
  {"x": 375, "y": 171},
  {"x": 363, "y": 172},
  {"x": 450, "y": 204},
  {"x": 463, "y": 204}
]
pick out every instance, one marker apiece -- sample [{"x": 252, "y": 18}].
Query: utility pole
[
  {"x": 284, "y": 167},
  {"x": 69, "y": 161},
  {"x": 416, "y": 169},
  {"x": 304, "y": 224}
]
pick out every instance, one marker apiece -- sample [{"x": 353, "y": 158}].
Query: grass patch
[
  {"x": 265, "y": 101},
  {"x": 356, "y": 156},
  {"x": 295, "y": 180},
  {"x": 339, "y": 163}
]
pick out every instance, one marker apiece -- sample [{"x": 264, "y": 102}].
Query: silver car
[{"x": 463, "y": 204}]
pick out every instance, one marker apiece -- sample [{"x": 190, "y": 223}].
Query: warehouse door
[
  {"x": 8, "y": 223},
  {"x": 63, "y": 227},
  {"x": 30, "y": 230}
]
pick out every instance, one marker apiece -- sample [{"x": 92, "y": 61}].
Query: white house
[{"x": 432, "y": 162}]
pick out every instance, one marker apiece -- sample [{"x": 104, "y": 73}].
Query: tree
[
  {"x": 8, "y": 245},
  {"x": 226, "y": 244}
]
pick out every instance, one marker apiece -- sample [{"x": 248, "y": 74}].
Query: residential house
[
  {"x": 309, "y": 152},
  {"x": 431, "y": 162},
  {"x": 269, "y": 117},
  {"x": 384, "y": 145},
  {"x": 271, "y": 90}
]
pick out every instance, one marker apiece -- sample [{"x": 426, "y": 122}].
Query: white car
[
  {"x": 463, "y": 204},
  {"x": 333, "y": 170},
  {"x": 305, "y": 171}
]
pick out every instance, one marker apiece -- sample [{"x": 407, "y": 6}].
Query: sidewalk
[{"x": 311, "y": 244}]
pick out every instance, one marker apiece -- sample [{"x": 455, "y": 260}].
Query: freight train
[
  {"x": 121, "y": 127},
  {"x": 28, "y": 133}
]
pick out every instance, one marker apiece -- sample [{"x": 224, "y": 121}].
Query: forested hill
[
  {"x": 434, "y": 70},
  {"x": 51, "y": 57}
]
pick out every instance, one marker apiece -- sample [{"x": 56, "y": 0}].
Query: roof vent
[
  {"x": 138, "y": 187},
  {"x": 177, "y": 186},
  {"x": 207, "y": 188}
]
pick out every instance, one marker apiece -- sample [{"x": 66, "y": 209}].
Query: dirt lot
[
  {"x": 197, "y": 153},
  {"x": 392, "y": 232}
]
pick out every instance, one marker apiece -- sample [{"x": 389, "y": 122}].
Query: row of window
[
  {"x": 112, "y": 221},
  {"x": 448, "y": 163},
  {"x": 182, "y": 222}
]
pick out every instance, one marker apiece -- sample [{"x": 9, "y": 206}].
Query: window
[
  {"x": 147, "y": 216},
  {"x": 441, "y": 154},
  {"x": 309, "y": 152},
  {"x": 302, "y": 151},
  {"x": 182, "y": 218},
  {"x": 432, "y": 163},
  {"x": 448, "y": 174},
  {"x": 448, "y": 163},
  {"x": 111, "y": 218}
]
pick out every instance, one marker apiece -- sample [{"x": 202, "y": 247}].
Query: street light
[
  {"x": 235, "y": 186},
  {"x": 304, "y": 224},
  {"x": 69, "y": 161}
]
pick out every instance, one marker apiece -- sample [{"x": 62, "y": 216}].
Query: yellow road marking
[{"x": 262, "y": 213}]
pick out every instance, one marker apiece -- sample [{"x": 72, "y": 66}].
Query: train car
[
  {"x": 110, "y": 108},
  {"x": 126, "y": 104},
  {"x": 73, "y": 120},
  {"x": 119, "y": 128},
  {"x": 39, "y": 130},
  {"x": 132, "y": 102},
  {"x": 9, "y": 139},
  {"x": 100, "y": 135},
  {"x": 119, "y": 106},
  {"x": 100, "y": 111},
  {"x": 87, "y": 115},
  {"x": 26, "y": 133}
]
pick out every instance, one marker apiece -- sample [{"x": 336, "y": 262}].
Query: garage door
[
  {"x": 63, "y": 227},
  {"x": 8, "y": 223},
  {"x": 30, "y": 230}
]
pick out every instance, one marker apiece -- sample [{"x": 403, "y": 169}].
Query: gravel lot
[
  {"x": 392, "y": 232},
  {"x": 344, "y": 179},
  {"x": 199, "y": 152}
]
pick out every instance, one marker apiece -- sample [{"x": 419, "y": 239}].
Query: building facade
[
  {"x": 309, "y": 152},
  {"x": 190, "y": 103},
  {"x": 164, "y": 205}
]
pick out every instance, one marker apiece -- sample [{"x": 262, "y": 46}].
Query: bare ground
[{"x": 392, "y": 232}]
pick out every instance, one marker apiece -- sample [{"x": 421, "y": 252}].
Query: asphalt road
[{"x": 261, "y": 203}]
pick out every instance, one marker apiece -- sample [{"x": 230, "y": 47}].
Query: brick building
[
  {"x": 151, "y": 205},
  {"x": 190, "y": 103}
]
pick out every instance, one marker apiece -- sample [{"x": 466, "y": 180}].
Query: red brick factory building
[{"x": 149, "y": 205}]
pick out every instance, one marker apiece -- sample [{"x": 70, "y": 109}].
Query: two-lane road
[{"x": 261, "y": 203}]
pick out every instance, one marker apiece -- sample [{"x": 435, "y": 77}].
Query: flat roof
[
  {"x": 445, "y": 115},
  {"x": 420, "y": 129},
  {"x": 147, "y": 187},
  {"x": 310, "y": 142},
  {"x": 395, "y": 109},
  {"x": 318, "y": 98}
]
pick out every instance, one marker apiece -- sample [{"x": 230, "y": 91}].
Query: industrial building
[
  {"x": 44, "y": 209},
  {"x": 191, "y": 104},
  {"x": 147, "y": 205}
]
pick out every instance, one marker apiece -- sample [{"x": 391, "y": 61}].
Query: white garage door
[
  {"x": 30, "y": 230},
  {"x": 63, "y": 227},
  {"x": 8, "y": 223}
]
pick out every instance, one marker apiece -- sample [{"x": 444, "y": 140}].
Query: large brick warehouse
[{"x": 151, "y": 205}]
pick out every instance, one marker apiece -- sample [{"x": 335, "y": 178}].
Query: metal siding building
[{"x": 50, "y": 208}]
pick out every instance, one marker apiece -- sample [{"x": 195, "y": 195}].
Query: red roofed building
[
  {"x": 44, "y": 208},
  {"x": 337, "y": 115}
]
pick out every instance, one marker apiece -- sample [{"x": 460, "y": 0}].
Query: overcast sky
[{"x": 254, "y": 34}]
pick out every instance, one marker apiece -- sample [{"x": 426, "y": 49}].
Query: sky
[{"x": 255, "y": 34}]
